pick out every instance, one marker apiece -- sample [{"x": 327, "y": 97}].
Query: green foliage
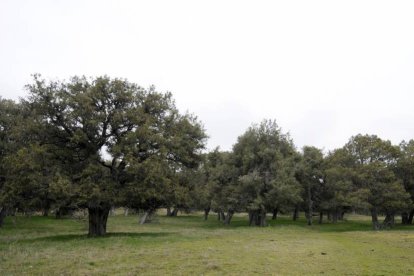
[{"x": 266, "y": 162}]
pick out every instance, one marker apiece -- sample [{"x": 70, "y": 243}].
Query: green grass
[{"x": 187, "y": 245}]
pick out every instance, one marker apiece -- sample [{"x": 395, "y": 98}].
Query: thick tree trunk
[
  {"x": 320, "y": 217},
  {"x": 206, "y": 212},
  {"x": 295, "y": 213},
  {"x": 98, "y": 217},
  {"x": 126, "y": 212},
  {"x": 3, "y": 213},
  {"x": 257, "y": 218},
  {"x": 229, "y": 216},
  {"x": 275, "y": 211},
  {"x": 374, "y": 217}
]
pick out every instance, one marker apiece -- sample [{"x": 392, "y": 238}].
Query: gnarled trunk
[
  {"x": 98, "y": 217},
  {"x": 3, "y": 213},
  {"x": 206, "y": 212}
]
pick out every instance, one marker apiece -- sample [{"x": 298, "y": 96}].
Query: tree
[
  {"x": 338, "y": 193},
  {"x": 106, "y": 127},
  {"x": 375, "y": 180},
  {"x": 310, "y": 175},
  {"x": 405, "y": 171},
  {"x": 10, "y": 116},
  {"x": 265, "y": 159}
]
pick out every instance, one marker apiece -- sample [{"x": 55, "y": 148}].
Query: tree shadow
[{"x": 78, "y": 237}]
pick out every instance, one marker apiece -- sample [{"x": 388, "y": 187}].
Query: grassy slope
[{"x": 188, "y": 245}]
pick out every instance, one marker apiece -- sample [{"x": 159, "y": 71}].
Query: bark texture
[{"x": 98, "y": 217}]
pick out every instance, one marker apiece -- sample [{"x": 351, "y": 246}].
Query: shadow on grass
[
  {"x": 241, "y": 222},
  {"x": 74, "y": 237}
]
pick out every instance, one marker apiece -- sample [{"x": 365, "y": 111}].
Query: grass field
[{"x": 187, "y": 245}]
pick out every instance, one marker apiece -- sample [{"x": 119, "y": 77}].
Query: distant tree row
[
  {"x": 101, "y": 143},
  {"x": 265, "y": 174}
]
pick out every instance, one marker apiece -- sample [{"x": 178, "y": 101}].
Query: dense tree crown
[{"x": 101, "y": 143}]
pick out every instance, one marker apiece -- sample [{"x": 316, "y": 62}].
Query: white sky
[{"x": 325, "y": 70}]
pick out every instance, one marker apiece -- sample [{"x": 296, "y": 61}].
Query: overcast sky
[{"x": 325, "y": 70}]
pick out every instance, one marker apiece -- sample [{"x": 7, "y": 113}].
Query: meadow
[{"x": 188, "y": 245}]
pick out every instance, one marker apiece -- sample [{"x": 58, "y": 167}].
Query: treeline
[
  {"x": 101, "y": 143},
  {"x": 264, "y": 173}
]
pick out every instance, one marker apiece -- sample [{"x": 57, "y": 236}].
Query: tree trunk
[
  {"x": 58, "y": 213},
  {"x": 335, "y": 216},
  {"x": 46, "y": 212},
  {"x": 374, "y": 218},
  {"x": 329, "y": 216},
  {"x": 174, "y": 212},
  {"x": 3, "y": 213},
  {"x": 262, "y": 219},
  {"x": 98, "y": 216},
  {"x": 310, "y": 206},
  {"x": 295, "y": 214},
  {"x": 320, "y": 217},
  {"x": 341, "y": 215},
  {"x": 404, "y": 218},
  {"x": 222, "y": 216},
  {"x": 252, "y": 217},
  {"x": 206, "y": 212},
  {"x": 389, "y": 220},
  {"x": 227, "y": 220},
  {"x": 126, "y": 212},
  {"x": 169, "y": 213},
  {"x": 146, "y": 217},
  {"x": 410, "y": 217},
  {"x": 275, "y": 211}
]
